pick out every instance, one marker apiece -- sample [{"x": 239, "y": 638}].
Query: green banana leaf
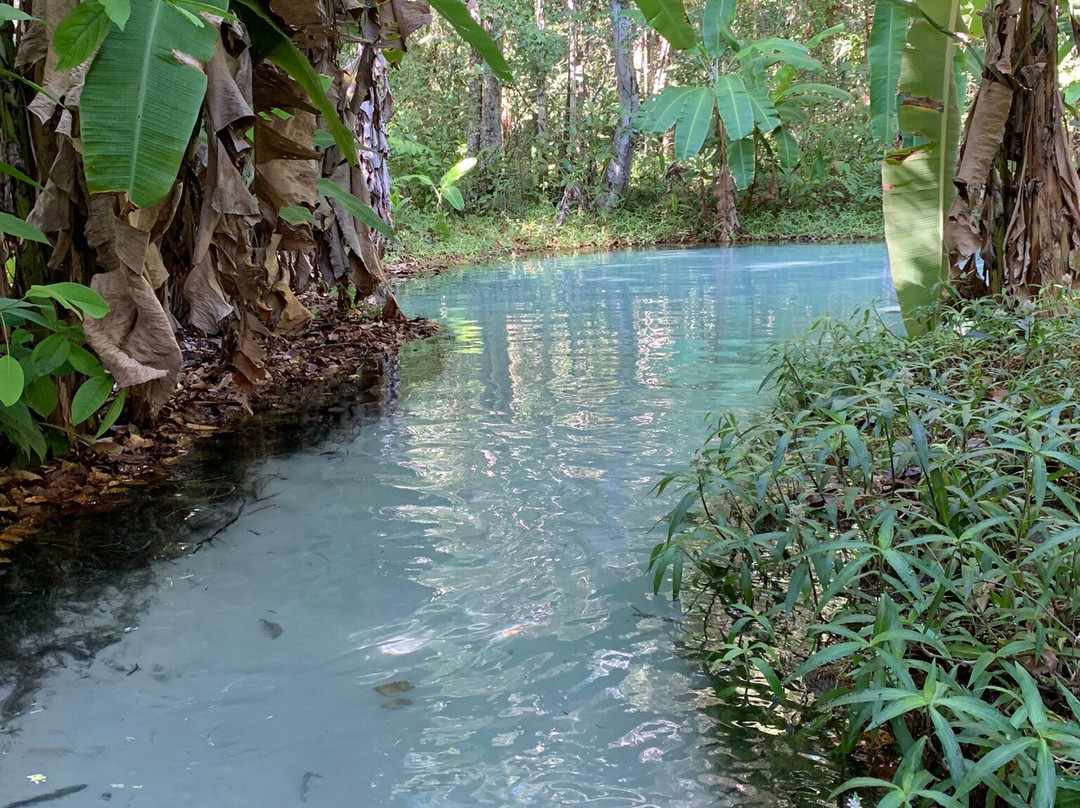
[
  {"x": 888, "y": 37},
  {"x": 733, "y": 103},
  {"x": 917, "y": 187},
  {"x": 659, "y": 113},
  {"x": 716, "y": 27},
  {"x": 668, "y": 18},
  {"x": 787, "y": 149},
  {"x": 742, "y": 160},
  {"x": 140, "y": 102},
  {"x": 455, "y": 13},
  {"x": 775, "y": 50},
  {"x": 766, "y": 118},
  {"x": 696, "y": 119}
]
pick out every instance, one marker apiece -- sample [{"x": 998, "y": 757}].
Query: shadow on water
[{"x": 80, "y": 583}]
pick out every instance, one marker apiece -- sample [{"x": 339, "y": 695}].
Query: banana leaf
[
  {"x": 455, "y": 13},
  {"x": 733, "y": 103},
  {"x": 917, "y": 187},
  {"x": 888, "y": 36},
  {"x": 668, "y": 18},
  {"x": 695, "y": 122},
  {"x": 141, "y": 100}
]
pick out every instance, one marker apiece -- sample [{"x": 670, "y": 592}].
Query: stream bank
[{"x": 105, "y": 474}]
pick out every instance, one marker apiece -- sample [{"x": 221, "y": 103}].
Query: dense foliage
[
  {"x": 559, "y": 122},
  {"x": 899, "y": 534}
]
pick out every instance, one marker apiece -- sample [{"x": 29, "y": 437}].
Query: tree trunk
[
  {"x": 617, "y": 174},
  {"x": 571, "y": 144},
  {"x": 727, "y": 214},
  {"x": 1018, "y": 202},
  {"x": 541, "y": 116},
  {"x": 485, "y": 128}
]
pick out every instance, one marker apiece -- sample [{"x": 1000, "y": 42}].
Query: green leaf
[
  {"x": 917, "y": 187},
  {"x": 17, "y": 228},
  {"x": 766, "y": 670},
  {"x": 888, "y": 36},
  {"x": 814, "y": 89},
  {"x": 742, "y": 160},
  {"x": 11, "y": 380},
  {"x": 766, "y": 118},
  {"x": 775, "y": 50},
  {"x": 678, "y": 515},
  {"x": 695, "y": 122},
  {"x": 270, "y": 41},
  {"x": 455, "y": 13},
  {"x": 40, "y": 395},
  {"x": 454, "y": 197},
  {"x": 820, "y": 37},
  {"x": 296, "y": 214},
  {"x": 72, "y": 296},
  {"x": 84, "y": 362},
  {"x": 113, "y": 413},
  {"x": 992, "y": 761},
  {"x": 118, "y": 10},
  {"x": 659, "y": 112},
  {"x": 787, "y": 149},
  {"x": 11, "y": 14},
  {"x": 668, "y": 18},
  {"x": 90, "y": 397},
  {"x": 50, "y": 353},
  {"x": 356, "y": 208},
  {"x": 457, "y": 171},
  {"x": 11, "y": 171},
  {"x": 1045, "y": 778},
  {"x": 141, "y": 102},
  {"x": 80, "y": 33},
  {"x": 826, "y": 656},
  {"x": 716, "y": 27},
  {"x": 733, "y": 103}
]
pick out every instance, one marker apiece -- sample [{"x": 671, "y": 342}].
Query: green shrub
[
  {"x": 900, "y": 533},
  {"x": 41, "y": 359}
]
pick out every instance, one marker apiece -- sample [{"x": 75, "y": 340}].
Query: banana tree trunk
[
  {"x": 727, "y": 214},
  {"x": 1017, "y": 213}
]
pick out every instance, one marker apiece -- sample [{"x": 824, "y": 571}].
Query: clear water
[{"x": 483, "y": 539}]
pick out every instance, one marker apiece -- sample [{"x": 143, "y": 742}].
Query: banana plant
[
  {"x": 749, "y": 96},
  {"x": 445, "y": 190},
  {"x": 145, "y": 84},
  {"x": 915, "y": 114}
]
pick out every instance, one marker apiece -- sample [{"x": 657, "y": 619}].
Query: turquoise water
[{"x": 474, "y": 546}]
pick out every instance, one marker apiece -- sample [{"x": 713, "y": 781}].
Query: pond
[{"x": 441, "y": 601}]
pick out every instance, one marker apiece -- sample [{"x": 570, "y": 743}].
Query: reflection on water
[{"x": 445, "y": 604}]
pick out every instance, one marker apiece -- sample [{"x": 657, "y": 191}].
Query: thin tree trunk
[
  {"x": 617, "y": 174},
  {"x": 571, "y": 142},
  {"x": 541, "y": 113}
]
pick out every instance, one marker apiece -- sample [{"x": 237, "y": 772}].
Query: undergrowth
[
  {"x": 472, "y": 237},
  {"x": 896, "y": 544}
]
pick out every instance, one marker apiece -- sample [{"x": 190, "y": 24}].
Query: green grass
[{"x": 475, "y": 238}]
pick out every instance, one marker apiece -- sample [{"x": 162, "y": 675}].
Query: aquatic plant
[{"x": 896, "y": 542}]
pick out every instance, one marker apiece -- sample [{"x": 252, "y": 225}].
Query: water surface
[{"x": 476, "y": 551}]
